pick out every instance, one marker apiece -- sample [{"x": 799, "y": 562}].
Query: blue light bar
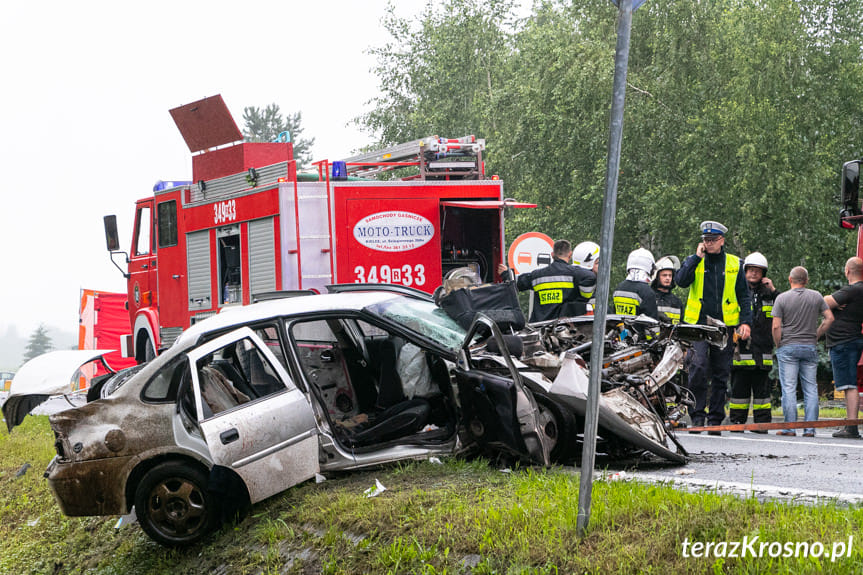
[
  {"x": 166, "y": 185},
  {"x": 340, "y": 171}
]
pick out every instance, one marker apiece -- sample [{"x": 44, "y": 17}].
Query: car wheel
[
  {"x": 173, "y": 505},
  {"x": 558, "y": 426}
]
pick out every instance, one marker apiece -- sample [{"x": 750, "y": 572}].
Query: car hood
[{"x": 41, "y": 377}]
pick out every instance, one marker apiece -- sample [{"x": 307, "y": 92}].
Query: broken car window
[
  {"x": 163, "y": 386},
  {"x": 270, "y": 336},
  {"x": 370, "y": 330},
  {"x": 423, "y": 317},
  {"x": 234, "y": 375}
]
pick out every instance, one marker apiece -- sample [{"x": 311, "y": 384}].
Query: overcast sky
[{"x": 86, "y": 91}]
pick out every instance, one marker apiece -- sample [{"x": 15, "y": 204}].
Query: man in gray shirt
[{"x": 795, "y": 332}]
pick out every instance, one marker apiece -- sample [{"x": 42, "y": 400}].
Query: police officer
[
  {"x": 753, "y": 357},
  {"x": 633, "y": 295},
  {"x": 663, "y": 283},
  {"x": 557, "y": 284},
  {"x": 718, "y": 290}
]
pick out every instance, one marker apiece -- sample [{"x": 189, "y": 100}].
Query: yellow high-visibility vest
[{"x": 730, "y": 306}]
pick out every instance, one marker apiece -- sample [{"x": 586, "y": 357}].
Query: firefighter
[
  {"x": 633, "y": 295},
  {"x": 720, "y": 291},
  {"x": 586, "y": 256},
  {"x": 557, "y": 284},
  {"x": 753, "y": 357},
  {"x": 663, "y": 283}
]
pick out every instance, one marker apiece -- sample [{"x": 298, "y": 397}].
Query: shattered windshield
[{"x": 422, "y": 317}]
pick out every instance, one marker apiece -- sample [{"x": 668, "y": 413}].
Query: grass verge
[
  {"x": 459, "y": 517},
  {"x": 823, "y": 413}
]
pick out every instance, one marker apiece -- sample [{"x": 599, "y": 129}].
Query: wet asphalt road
[{"x": 767, "y": 466}]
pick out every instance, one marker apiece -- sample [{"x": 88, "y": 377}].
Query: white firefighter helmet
[
  {"x": 585, "y": 254},
  {"x": 667, "y": 263},
  {"x": 640, "y": 259},
  {"x": 756, "y": 259}
]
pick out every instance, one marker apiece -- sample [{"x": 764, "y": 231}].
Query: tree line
[{"x": 741, "y": 111}]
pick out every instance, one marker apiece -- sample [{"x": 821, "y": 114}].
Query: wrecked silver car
[
  {"x": 259, "y": 398},
  {"x": 256, "y": 399}
]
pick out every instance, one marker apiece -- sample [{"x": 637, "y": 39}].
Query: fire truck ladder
[{"x": 437, "y": 159}]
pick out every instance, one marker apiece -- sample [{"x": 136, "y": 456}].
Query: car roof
[{"x": 242, "y": 315}]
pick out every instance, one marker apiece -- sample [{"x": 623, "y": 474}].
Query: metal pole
[{"x": 621, "y": 59}]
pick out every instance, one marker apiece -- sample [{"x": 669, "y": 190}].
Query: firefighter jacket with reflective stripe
[
  {"x": 556, "y": 285},
  {"x": 634, "y": 298},
  {"x": 669, "y": 304},
  {"x": 757, "y": 351},
  {"x": 718, "y": 289}
]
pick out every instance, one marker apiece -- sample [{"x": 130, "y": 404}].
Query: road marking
[
  {"x": 748, "y": 489},
  {"x": 856, "y": 444}
]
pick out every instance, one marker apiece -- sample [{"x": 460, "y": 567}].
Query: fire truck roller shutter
[
  {"x": 262, "y": 256},
  {"x": 198, "y": 257}
]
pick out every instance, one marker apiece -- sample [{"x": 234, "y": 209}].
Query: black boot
[{"x": 850, "y": 432}]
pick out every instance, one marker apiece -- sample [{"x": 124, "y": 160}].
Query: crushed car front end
[{"x": 643, "y": 394}]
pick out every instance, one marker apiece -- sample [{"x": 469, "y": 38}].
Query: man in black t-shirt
[{"x": 845, "y": 340}]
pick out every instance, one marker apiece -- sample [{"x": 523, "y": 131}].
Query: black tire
[
  {"x": 173, "y": 504},
  {"x": 558, "y": 426},
  {"x": 144, "y": 349},
  {"x": 149, "y": 351}
]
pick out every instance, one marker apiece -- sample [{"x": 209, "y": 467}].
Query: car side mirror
[
  {"x": 111, "y": 238},
  {"x": 850, "y": 194}
]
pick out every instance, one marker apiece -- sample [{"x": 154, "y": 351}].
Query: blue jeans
[
  {"x": 844, "y": 357},
  {"x": 802, "y": 360}
]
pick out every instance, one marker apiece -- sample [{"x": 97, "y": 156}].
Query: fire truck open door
[{"x": 472, "y": 233}]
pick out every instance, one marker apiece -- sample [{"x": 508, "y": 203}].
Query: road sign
[{"x": 530, "y": 251}]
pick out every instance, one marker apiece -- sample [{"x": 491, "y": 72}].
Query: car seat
[{"x": 400, "y": 420}]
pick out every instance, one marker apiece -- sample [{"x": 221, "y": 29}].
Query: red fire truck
[
  {"x": 249, "y": 224},
  {"x": 850, "y": 217}
]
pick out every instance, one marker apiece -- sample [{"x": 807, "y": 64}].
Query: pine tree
[
  {"x": 39, "y": 343},
  {"x": 266, "y": 125}
]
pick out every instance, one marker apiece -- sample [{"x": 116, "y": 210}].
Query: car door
[
  {"x": 253, "y": 418},
  {"x": 499, "y": 413}
]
